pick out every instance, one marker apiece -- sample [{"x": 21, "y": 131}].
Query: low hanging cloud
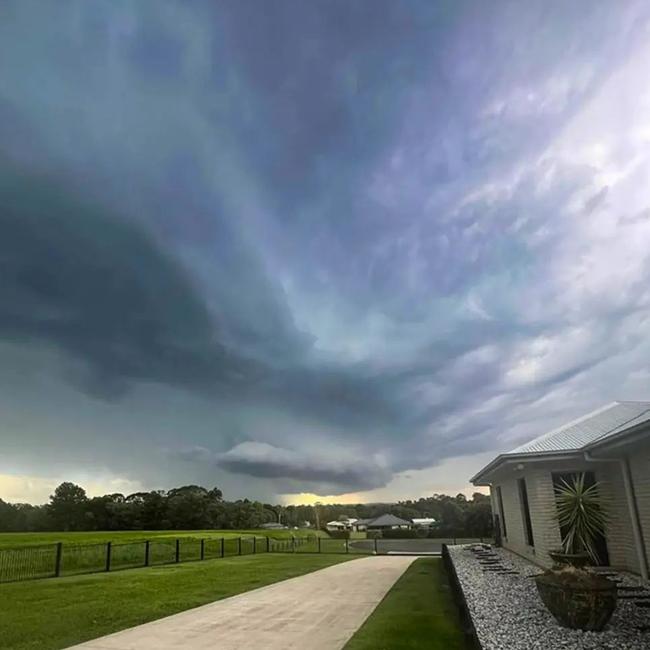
[{"x": 298, "y": 471}]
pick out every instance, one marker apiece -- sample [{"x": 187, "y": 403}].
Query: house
[
  {"x": 343, "y": 523},
  {"x": 612, "y": 447},
  {"x": 423, "y": 522},
  {"x": 388, "y": 522},
  {"x": 273, "y": 525}
]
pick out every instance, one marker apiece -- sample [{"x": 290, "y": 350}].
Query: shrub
[{"x": 340, "y": 534}]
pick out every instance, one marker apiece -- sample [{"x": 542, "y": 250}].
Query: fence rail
[{"x": 65, "y": 559}]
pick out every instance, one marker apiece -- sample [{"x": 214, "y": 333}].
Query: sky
[{"x": 315, "y": 250}]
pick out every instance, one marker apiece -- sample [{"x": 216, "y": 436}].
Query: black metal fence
[{"x": 63, "y": 559}]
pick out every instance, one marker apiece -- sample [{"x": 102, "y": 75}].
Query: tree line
[{"x": 192, "y": 507}]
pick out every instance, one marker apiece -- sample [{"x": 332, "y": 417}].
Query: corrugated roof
[
  {"x": 388, "y": 520},
  {"x": 591, "y": 429},
  {"x": 595, "y": 426}
]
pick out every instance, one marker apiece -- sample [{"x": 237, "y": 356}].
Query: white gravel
[{"x": 508, "y": 614}]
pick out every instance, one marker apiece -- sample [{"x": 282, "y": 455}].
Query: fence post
[
  {"x": 293, "y": 543},
  {"x": 57, "y": 560},
  {"x": 347, "y": 545},
  {"x": 254, "y": 545},
  {"x": 239, "y": 546},
  {"x": 108, "y": 556},
  {"x": 268, "y": 544},
  {"x": 223, "y": 550},
  {"x": 202, "y": 549},
  {"x": 318, "y": 538},
  {"x": 146, "y": 553},
  {"x": 375, "y": 546},
  {"x": 178, "y": 550}
]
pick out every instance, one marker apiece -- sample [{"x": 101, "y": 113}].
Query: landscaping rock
[{"x": 508, "y": 614}]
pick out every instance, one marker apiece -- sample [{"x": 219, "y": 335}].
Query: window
[
  {"x": 501, "y": 511},
  {"x": 525, "y": 511}
]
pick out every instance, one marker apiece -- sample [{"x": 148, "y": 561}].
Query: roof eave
[{"x": 479, "y": 478}]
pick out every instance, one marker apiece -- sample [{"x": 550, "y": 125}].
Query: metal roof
[
  {"x": 594, "y": 428},
  {"x": 388, "y": 520}
]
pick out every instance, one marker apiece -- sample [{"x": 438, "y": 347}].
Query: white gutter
[{"x": 632, "y": 508}]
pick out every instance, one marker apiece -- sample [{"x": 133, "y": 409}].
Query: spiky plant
[{"x": 581, "y": 513}]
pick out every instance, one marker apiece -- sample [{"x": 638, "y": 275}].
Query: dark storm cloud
[
  {"x": 371, "y": 231},
  {"x": 326, "y": 473},
  {"x": 84, "y": 280}
]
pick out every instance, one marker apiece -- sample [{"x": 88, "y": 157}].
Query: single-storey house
[
  {"x": 424, "y": 522},
  {"x": 388, "y": 522},
  {"x": 273, "y": 525},
  {"x": 612, "y": 447},
  {"x": 332, "y": 526}
]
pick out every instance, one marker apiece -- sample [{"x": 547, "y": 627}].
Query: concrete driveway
[{"x": 319, "y": 611}]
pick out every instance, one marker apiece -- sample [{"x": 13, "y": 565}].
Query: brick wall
[{"x": 543, "y": 511}]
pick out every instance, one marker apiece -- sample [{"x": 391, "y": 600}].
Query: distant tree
[
  {"x": 7, "y": 516},
  {"x": 67, "y": 507}
]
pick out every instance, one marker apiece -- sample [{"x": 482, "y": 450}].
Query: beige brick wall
[
  {"x": 640, "y": 470},
  {"x": 618, "y": 532},
  {"x": 543, "y": 512},
  {"x": 514, "y": 518}
]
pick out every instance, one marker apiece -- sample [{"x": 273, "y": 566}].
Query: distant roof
[
  {"x": 272, "y": 524},
  {"x": 388, "y": 520},
  {"x": 591, "y": 429}
]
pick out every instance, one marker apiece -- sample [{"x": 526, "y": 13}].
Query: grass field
[
  {"x": 53, "y": 614},
  {"x": 418, "y": 613},
  {"x": 21, "y": 559},
  {"x": 13, "y": 540}
]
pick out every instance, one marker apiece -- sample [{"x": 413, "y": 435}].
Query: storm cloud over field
[{"x": 324, "y": 247}]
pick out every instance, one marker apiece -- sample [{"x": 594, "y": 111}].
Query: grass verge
[
  {"x": 417, "y": 613},
  {"x": 56, "y": 613}
]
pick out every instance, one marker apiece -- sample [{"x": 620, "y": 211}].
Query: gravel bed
[{"x": 508, "y": 614}]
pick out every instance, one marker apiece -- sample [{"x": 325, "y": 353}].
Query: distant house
[
  {"x": 611, "y": 446},
  {"x": 273, "y": 525},
  {"x": 388, "y": 522},
  {"x": 345, "y": 523},
  {"x": 423, "y": 522}
]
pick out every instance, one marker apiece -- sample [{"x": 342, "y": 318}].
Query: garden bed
[{"x": 508, "y": 614}]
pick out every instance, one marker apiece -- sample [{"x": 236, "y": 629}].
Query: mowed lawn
[
  {"x": 13, "y": 540},
  {"x": 418, "y": 613},
  {"x": 56, "y": 613}
]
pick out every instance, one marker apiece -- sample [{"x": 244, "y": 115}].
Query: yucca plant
[{"x": 581, "y": 514}]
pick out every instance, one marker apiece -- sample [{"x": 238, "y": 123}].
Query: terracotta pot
[{"x": 584, "y": 602}]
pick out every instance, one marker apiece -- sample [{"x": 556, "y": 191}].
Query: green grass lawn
[
  {"x": 89, "y": 552},
  {"x": 56, "y": 613},
  {"x": 417, "y": 613},
  {"x": 10, "y": 540}
]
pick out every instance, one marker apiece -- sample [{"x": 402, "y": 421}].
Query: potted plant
[{"x": 576, "y": 596}]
